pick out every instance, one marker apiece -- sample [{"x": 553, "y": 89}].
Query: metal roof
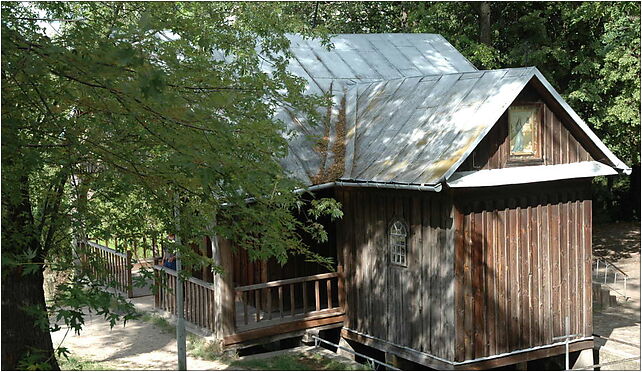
[
  {"x": 402, "y": 113},
  {"x": 529, "y": 174},
  {"x": 355, "y": 58},
  {"x": 415, "y": 130},
  {"x": 369, "y": 57}
]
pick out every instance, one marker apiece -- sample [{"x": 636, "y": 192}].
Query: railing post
[
  {"x": 130, "y": 288},
  {"x": 156, "y": 284},
  {"x": 154, "y": 246},
  {"x": 606, "y": 272}
]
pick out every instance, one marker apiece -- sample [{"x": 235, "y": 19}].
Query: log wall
[
  {"x": 523, "y": 264},
  {"x": 411, "y": 306}
]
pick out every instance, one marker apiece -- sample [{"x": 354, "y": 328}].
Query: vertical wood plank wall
[
  {"x": 411, "y": 306},
  {"x": 558, "y": 144},
  {"x": 523, "y": 264}
]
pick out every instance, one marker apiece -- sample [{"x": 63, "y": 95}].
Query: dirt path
[
  {"x": 620, "y": 243},
  {"x": 138, "y": 346}
]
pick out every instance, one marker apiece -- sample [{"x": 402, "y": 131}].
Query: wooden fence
[
  {"x": 110, "y": 266},
  {"x": 199, "y": 297},
  {"x": 280, "y": 301}
]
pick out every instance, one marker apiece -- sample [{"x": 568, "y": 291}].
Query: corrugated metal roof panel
[
  {"x": 377, "y": 56},
  {"x": 423, "y": 128}
]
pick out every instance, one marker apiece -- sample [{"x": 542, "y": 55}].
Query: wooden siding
[
  {"x": 411, "y": 306},
  {"x": 558, "y": 141},
  {"x": 522, "y": 266}
]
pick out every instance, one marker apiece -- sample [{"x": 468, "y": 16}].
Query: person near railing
[{"x": 169, "y": 256}]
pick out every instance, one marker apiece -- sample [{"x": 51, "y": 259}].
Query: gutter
[{"x": 377, "y": 185}]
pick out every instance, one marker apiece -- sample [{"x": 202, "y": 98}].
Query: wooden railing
[
  {"x": 280, "y": 301},
  {"x": 199, "y": 297},
  {"x": 110, "y": 266}
]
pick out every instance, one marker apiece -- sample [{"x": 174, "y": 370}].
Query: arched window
[{"x": 398, "y": 240}]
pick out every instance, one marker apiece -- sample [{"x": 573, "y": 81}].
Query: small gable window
[
  {"x": 398, "y": 240},
  {"x": 524, "y": 124}
]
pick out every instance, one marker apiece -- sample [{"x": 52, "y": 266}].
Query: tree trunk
[
  {"x": 21, "y": 334},
  {"x": 484, "y": 22},
  {"x": 23, "y": 295}
]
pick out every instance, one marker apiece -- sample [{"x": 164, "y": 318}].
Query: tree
[{"x": 123, "y": 104}]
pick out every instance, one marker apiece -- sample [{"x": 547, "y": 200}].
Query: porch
[
  {"x": 237, "y": 314},
  {"x": 256, "y": 311}
]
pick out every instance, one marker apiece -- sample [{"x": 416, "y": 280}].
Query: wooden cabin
[{"x": 466, "y": 239}]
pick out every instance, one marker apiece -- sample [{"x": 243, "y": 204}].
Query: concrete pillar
[
  {"x": 344, "y": 344},
  {"x": 584, "y": 359}
]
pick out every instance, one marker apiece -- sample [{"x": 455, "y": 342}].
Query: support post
[
  {"x": 343, "y": 343},
  {"x": 340, "y": 287},
  {"x": 392, "y": 359},
  {"x": 584, "y": 360},
  {"x": 180, "y": 321},
  {"x": 156, "y": 284},
  {"x": 568, "y": 332}
]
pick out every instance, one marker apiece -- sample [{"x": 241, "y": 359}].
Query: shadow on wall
[{"x": 520, "y": 268}]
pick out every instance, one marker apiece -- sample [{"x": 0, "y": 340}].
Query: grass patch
[
  {"x": 297, "y": 362},
  {"x": 201, "y": 348},
  {"x": 197, "y": 346},
  {"x": 160, "y": 322},
  {"x": 73, "y": 363}
]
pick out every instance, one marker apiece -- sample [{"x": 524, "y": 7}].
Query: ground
[
  {"x": 139, "y": 345},
  {"x": 145, "y": 344},
  {"x": 620, "y": 243},
  {"x": 150, "y": 344}
]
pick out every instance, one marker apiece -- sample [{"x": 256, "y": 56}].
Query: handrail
[
  {"x": 199, "y": 300},
  {"x": 610, "y": 264},
  {"x": 616, "y": 270},
  {"x": 278, "y": 283},
  {"x": 117, "y": 266},
  {"x": 190, "y": 279},
  {"x": 266, "y": 303},
  {"x": 107, "y": 249}
]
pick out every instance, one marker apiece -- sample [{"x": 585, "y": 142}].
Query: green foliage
[
  {"x": 73, "y": 363},
  {"x": 118, "y": 122},
  {"x": 296, "y": 362},
  {"x": 200, "y": 347},
  {"x": 160, "y": 322}
]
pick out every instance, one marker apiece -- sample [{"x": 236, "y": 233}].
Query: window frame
[
  {"x": 393, "y": 248},
  {"x": 536, "y": 157}
]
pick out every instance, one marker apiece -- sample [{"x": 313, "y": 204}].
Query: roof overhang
[
  {"x": 617, "y": 163},
  {"x": 529, "y": 174},
  {"x": 534, "y": 73}
]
